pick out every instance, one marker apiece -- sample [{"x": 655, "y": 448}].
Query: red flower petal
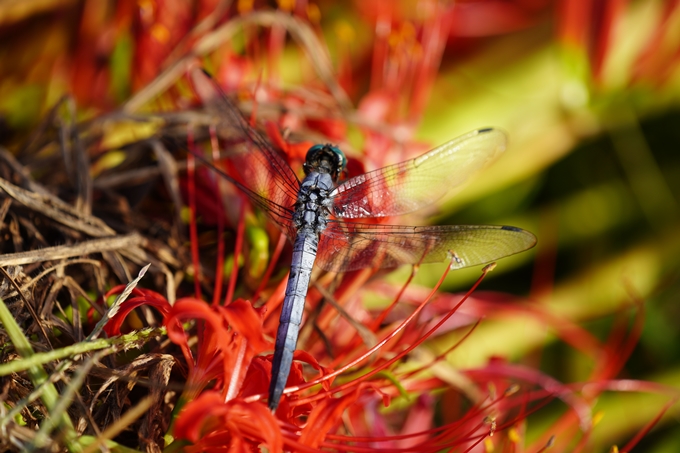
[
  {"x": 144, "y": 297},
  {"x": 208, "y": 417}
]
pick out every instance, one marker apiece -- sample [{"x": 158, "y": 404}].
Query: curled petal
[
  {"x": 245, "y": 320},
  {"x": 208, "y": 417},
  {"x": 144, "y": 297}
]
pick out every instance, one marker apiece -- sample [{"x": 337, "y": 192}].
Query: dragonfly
[{"x": 319, "y": 213}]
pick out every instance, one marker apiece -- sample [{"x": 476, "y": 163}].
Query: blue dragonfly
[{"x": 318, "y": 212}]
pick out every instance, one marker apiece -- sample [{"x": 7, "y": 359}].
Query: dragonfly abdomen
[
  {"x": 304, "y": 252},
  {"x": 310, "y": 219}
]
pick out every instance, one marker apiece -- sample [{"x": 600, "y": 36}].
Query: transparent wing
[
  {"x": 410, "y": 185},
  {"x": 280, "y": 215},
  {"x": 253, "y": 165},
  {"x": 347, "y": 246}
]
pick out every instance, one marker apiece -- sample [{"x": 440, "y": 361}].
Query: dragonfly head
[{"x": 325, "y": 159}]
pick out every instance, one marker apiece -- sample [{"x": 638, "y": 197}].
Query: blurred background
[{"x": 588, "y": 92}]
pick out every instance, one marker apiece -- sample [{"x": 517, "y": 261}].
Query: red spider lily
[
  {"x": 140, "y": 296},
  {"x": 211, "y": 424},
  {"x": 229, "y": 340},
  {"x": 214, "y": 420}
]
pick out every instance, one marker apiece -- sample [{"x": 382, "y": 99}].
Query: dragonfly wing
[
  {"x": 254, "y": 165},
  {"x": 412, "y": 184},
  {"x": 280, "y": 215},
  {"x": 349, "y": 246}
]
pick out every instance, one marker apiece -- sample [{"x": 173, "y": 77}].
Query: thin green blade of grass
[
  {"x": 83, "y": 347},
  {"x": 50, "y": 396}
]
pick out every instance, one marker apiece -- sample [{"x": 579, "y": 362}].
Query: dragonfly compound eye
[
  {"x": 326, "y": 156},
  {"x": 342, "y": 159}
]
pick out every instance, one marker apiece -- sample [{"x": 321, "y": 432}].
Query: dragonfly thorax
[
  {"x": 313, "y": 204},
  {"x": 325, "y": 159}
]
